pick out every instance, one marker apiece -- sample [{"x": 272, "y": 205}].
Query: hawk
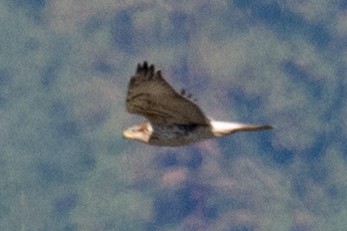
[{"x": 173, "y": 119}]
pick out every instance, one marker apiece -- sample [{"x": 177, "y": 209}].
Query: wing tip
[{"x": 146, "y": 69}]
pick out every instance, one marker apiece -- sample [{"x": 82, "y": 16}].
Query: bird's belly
[{"x": 177, "y": 135}]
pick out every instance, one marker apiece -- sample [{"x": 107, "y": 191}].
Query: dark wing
[{"x": 151, "y": 96}]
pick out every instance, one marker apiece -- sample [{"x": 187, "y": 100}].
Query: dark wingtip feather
[
  {"x": 138, "y": 69},
  {"x": 145, "y": 69},
  {"x": 151, "y": 70},
  {"x": 142, "y": 68}
]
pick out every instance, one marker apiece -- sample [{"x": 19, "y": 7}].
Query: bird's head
[{"x": 140, "y": 132}]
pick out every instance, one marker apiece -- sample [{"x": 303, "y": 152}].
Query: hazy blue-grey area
[{"x": 64, "y": 70}]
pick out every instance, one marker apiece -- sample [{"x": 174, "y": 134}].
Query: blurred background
[{"x": 64, "y": 70}]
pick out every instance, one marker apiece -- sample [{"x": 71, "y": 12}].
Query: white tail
[{"x": 220, "y": 128}]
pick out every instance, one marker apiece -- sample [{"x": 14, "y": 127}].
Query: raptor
[{"x": 173, "y": 119}]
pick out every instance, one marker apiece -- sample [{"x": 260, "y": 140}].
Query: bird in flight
[{"x": 172, "y": 118}]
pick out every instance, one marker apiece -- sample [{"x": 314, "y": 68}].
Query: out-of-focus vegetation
[{"x": 64, "y": 68}]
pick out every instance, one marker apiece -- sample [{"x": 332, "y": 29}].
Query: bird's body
[
  {"x": 173, "y": 119},
  {"x": 179, "y": 134}
]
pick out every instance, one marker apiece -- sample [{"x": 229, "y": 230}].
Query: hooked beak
[{"x": 127, "y": 134}]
